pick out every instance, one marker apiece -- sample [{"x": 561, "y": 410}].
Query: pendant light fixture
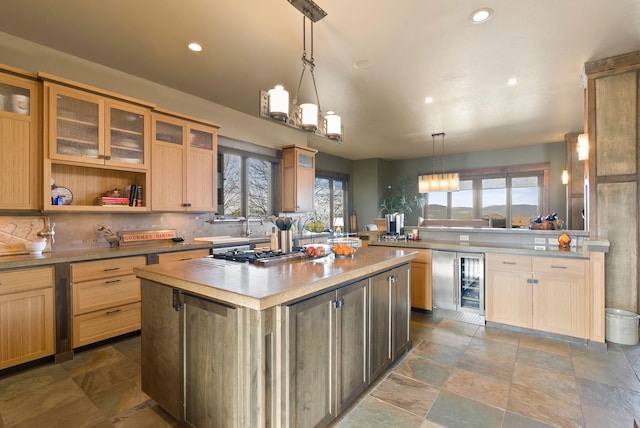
[
  {"x": 274, "y": 104},
  {"x": 438, "y": 182}
]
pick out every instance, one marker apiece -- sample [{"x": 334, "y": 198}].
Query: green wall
[{"x": 374, "y": 179}]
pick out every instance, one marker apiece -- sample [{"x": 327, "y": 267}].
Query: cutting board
[{"x": 16, "y": 230}]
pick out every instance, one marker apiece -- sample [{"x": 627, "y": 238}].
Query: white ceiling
[{"x": 415, "y": 48}]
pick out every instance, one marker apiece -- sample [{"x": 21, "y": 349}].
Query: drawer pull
[
  {"x": 114, "y": 312},
  {"x": 508, "y": 263},
  {"x": 111, "y": 269},
  {"x": 113, "y": 281},
  {"x": 558, "y": 267}
]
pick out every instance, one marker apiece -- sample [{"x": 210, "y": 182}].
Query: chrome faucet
[{"x": 248, "y": 230}]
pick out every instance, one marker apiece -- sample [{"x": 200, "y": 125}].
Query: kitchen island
[{"x": 290, "y": 344}]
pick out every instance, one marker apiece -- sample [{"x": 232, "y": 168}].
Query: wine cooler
[{"x": 458, "y": 286}]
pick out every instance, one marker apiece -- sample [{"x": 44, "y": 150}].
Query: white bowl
[{"x": 35, "y": 247}]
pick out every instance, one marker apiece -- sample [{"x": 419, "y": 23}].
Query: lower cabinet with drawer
[
  {"x": 543, "y": 293},
  {"x": 183, "y": 255},
  {"x": 26, "y": 315},
  {"x": 105, "y": 298}
]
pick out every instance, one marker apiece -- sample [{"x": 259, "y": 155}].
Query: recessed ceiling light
[
  {"x": 512, "y": 82},
  {"x": 428, "y": 100},
  {"x": 196, "y": 47},
  {"x": 480, "y": 15}
]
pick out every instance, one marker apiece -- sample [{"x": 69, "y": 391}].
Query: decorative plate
[{"x": 67, "y": 196}]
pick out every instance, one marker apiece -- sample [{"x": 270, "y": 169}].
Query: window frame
[
  {"x": 246, "y": 151},
  {"x": 508, "y": 172},
  {"x": 344, "y": 178}
]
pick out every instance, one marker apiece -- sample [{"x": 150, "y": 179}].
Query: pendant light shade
[
  {"x": 333, "y": 124},
  {"x": 438, "y": 182},
  {"x": 279, "y": 103},
  {"x": 309, "y": 116}
]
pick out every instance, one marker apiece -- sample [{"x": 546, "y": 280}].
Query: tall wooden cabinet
[
  {"x": 20, "y": 146},
  {"x": 95, "y": 142},
  {"x": 26, "y": 315},
  {"x": 298, "y": 178},
  {"x": 612, "y": 99},
  {"x": 184, "y": 164}
]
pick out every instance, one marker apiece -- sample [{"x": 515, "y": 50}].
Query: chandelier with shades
[
  {"x": 438, "y": 182},
  {"x": 274, "y": 103}
]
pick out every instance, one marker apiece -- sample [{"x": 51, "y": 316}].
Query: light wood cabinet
[
  {"x": 20, "y": 146},
  {"x": 95, "y": 142},
  {"x": 183, "y": 255},
  {"x": 421, "y": 287},
  {"x": 26, "y": 315},
  {"x": 184, "y": 164},
  {"x": 543, "y": 293},
  {"x": 298, "y": 178},
  {"x": 105, "y": 297}
]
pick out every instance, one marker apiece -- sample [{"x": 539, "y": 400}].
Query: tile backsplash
[{"x": 80, "y": 230}]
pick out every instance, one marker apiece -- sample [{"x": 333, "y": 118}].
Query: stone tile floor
[{"x": 456, "y": 375}]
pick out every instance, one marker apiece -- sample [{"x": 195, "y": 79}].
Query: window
[
  {"x": 510, "y": 197},
  {"x": 330, "y": 201},
  {"x": 246, "y": 182}
]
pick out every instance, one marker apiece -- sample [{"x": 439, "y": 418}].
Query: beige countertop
[
  {"x": 492, "y": 247},
  {"x": 262, "y": 287},
  {"x": 67, "y": 256}
]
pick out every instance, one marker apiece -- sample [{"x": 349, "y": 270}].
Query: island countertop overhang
[{"x": 263, "y": 287}]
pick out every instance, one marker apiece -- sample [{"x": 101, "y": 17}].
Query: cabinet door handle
[
  {"x": 111, "y": 269},
  {"x": 186, "y": 205},
  {"x": 338, "y": 303},
  {"x": 114, "y": 312},
  {"x": 529, "y": 281},
  {"x": 113, "y": 281},
  {"x": 558, "y": 267},
  {"x": 535, "y": 281}
]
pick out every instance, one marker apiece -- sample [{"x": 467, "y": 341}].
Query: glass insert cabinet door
[
  {"x": 168, "y": 132},
  {"x": 98, "y": 130},
  {"x": 126, "y": 136},
  {"x": 75, "y": 126}
]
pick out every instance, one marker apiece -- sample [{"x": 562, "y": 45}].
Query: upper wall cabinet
[
  {"x": 93, "y": 129},
  {"x": 20, "y": 149},
  {"x": 298, "y": 178},
  {"x": 184, "y": 163},
  {"x": 95, "y": 142}
]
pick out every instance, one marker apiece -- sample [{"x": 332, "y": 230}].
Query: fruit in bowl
[
  {"x": 342, "y": 249},
  {"x": 315, "y": 251}
]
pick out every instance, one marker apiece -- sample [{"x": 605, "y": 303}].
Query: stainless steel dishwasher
[{"x": 458, "y": 286}]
